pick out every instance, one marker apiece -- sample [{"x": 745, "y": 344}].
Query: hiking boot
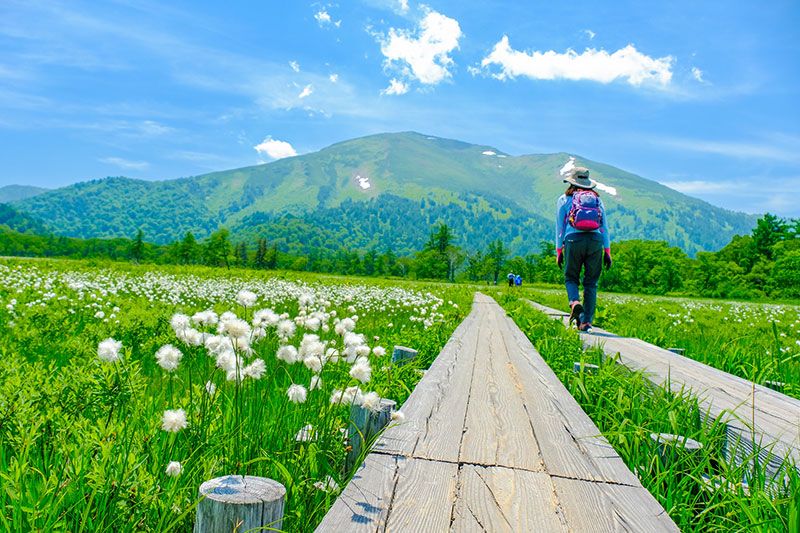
[
  {"x": 585, "y": 326},
  {"x": 575, "y": 315}
]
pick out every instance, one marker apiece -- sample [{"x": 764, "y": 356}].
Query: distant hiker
[
  {"x": 510, "y": 279},
  {"x": 582, "y": 242},
  {"x": 517, "y": 280}
]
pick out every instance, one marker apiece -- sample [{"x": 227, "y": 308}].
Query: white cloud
[
  {"x": 698, "y": 74},
  {"x": 295, "y": 66},
  {"x": 334, "y": 78},
  {"x": 323, "y": 18},
  {"x": 307, "y": 91},
  {"x": 275, "y": 149},
  {"x": 403, "y": 4},
  {"x": 396, "y": 87},
  {"x": 125, "y": 163},
  {"x": 595, "y": 65},
  {"x": 590, "y": 34},
  {"x": 775, "y": 149},
  {"x": 423, "y": 53}
]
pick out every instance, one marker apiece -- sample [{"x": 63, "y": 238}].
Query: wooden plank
[
  {"x": 496, "y": 432},
  {"x": 589, "y": 506},
  {"x": 363, "y": 506},
  {"x": 424, "y": 496},
  {"x": 424, "y": 407},
  {"x": 570, "y": 443},
  {"x": 772, "y": 416},
  {"x": 507, "y": 500}
]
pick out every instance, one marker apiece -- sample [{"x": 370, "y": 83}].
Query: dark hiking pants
[{"x": 583, "y": 251}]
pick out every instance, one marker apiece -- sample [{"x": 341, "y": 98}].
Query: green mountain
[
  {"x": 379, "y": 191},
  {"x": 12, "y": 193}
]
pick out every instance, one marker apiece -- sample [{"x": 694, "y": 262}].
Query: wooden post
[
  {"x": 364, "y": 425},
  {"x": 585, "y": 367},
  {"x": 679, "y": 351},
  {"x": 240, "y": 503},
  {"x": 674, "y": 448},
  {"x": 402, "y": 355}
]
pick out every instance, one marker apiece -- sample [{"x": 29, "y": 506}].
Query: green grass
[
  {"x": 81, "y": 444},
  {"x": 758, "y": 342},
  {"x": 627, "y": 408}
]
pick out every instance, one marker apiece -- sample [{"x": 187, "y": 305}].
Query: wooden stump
[
  {"x": 364, "y": 425},
  {"x": 402, "y": 355},
  {"x": 585, "y": 367},
  {"x": 240, "y": 503}
]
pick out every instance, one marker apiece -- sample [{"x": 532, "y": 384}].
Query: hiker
[
  {"x": 517, "y": 280},
  {"x": 582, "y": 242},
  {"x": 510, "y": 279}
]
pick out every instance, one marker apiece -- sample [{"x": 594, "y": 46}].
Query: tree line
[{"x": 763, "y": 263}]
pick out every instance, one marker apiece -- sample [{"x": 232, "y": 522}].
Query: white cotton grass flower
[
  {"x": 168, "y": 357},
  {"x": 100, "y": 315},
  {"x": 235, "y": 328},
  {"x": 361, "y": 371},
  {"x": 265, "y": 318},
  {"x": 370, "y": 401},
  {"x": 316, "y": 383},
  {"x": 255, "y": 369},
  {"x": 348, "y": 396},
  {"x": 296, "y": 393},
  {"x": 286, "y": 329},
  {"x": 313, "y": 363},
  {"x": 287, "y": 354},
  {"x": 210, "y": 388},
  {"x": 179, "y": 322},
  {"x": 246, "y": 298},
  {"x": 108, "y": 350},
  {"x": 174, "y": 420},
  {"x": 398, "y": 416},
  {"x": 174, "y": 469},
  {"x": 379, "y": 351},
  {"x": 205, "y": 318}
]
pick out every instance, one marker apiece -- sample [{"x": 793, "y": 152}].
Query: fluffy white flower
[
  {"x": 174, "y": 469},
  {"x": 210, "y": 388},
  {"x": 329, "y": 485},
  {"x": 296, "y": 393},
  {"x": 168, "y": 357},
  {"x": 287, "y": 353},
  {"x": 265, "y": 318},
  {"x": 246, "y": 298},
  {"x": 305, "y": 434},
  {"x": 398, "y": 416},
  {"x": 179, "y": 322},
  {"x": 371, "y": 401},
  {"x": 174, "y": 420},
  {"x": 313, "y": 323},
  {"x": 255, "y": 369},
  {"x": 108, "y": 350},
  {"x": 235, "y": 328},
  {"x": 362, "y": 351},
  {"x": 316, "y": 383},
  {"x": 379, "y": 351},
  {"x": 205, "y": 318},
  {"x": 286, "y": 329},
  {"x": 191, "y": 336},
  {"x": 99, "y": 314},
  {"x": 313, "y": 363},
  {"x": 361, "y": 371}
]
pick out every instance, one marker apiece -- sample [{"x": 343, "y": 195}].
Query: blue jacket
[{"x": 563, "y": 229}]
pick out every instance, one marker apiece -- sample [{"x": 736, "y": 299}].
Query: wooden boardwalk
[
  {"x": 754, "y": 414},
  {"x": 493, "y": 442}
]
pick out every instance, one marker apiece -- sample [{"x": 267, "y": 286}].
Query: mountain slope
[
  {"x": 351, "y": 194},
  {"x": 13, "y": 193}
]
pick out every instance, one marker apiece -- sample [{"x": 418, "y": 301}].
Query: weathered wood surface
[
  {"x": 493, "y": 442},
  {"x": 751, "y": 411},
  {"x": 240, "y": 503}
]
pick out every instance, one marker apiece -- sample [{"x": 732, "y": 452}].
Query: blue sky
[{"x": 702, "y": 96}]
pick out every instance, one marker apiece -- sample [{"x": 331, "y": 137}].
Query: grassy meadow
[{"x": 123, "y": 388}]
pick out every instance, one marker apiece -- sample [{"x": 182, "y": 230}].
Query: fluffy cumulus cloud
[
  {"x": 423, "y": 53},
  {"x": 596, "y": 65},
  {"x": 324, "y": 19},
  {"x": 275, "y": 149},
  {"x": 307, "y": 91},
  {"x": 396, "y": 87}
]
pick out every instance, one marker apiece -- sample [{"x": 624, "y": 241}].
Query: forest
[{"x": 765, "y": 263}]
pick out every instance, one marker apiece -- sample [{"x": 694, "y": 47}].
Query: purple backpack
[{"x": 585, "y": 213}]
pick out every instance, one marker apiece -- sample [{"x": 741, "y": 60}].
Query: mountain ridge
[{"x": 453, "y": 179}]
